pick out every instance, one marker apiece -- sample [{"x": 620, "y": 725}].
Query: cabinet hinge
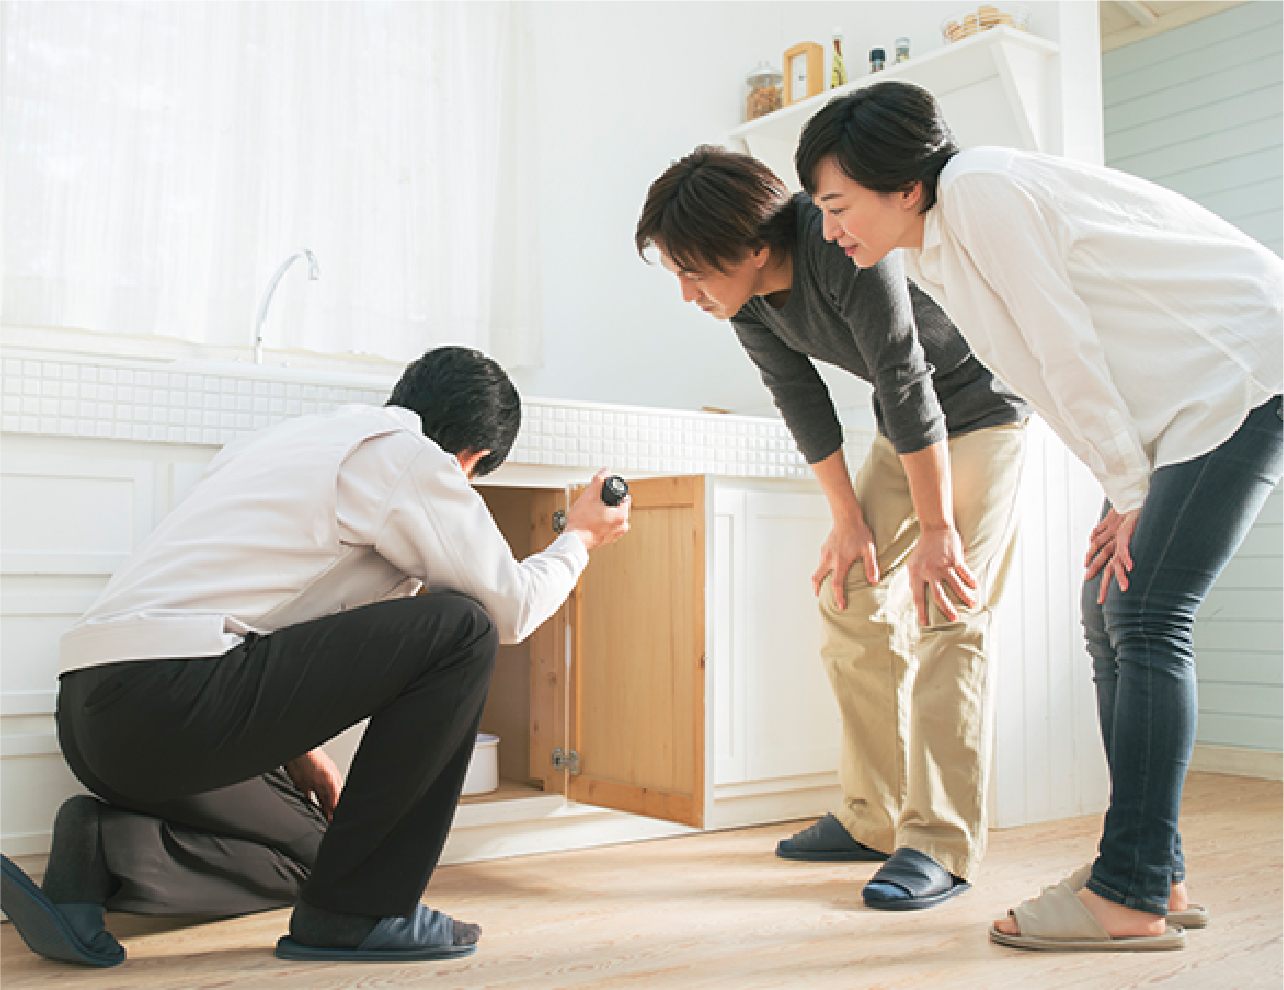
[{"x": 562, "y": 760}]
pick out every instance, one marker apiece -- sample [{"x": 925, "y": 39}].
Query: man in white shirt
[{"x": 274, "y": 608}]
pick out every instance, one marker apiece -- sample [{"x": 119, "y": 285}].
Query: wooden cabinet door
[
  {"x": 636, "y": 702},
  {"x": 548, "y": 646}
]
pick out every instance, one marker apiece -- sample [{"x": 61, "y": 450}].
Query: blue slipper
[
  {"x": 68, "y": 932},
  {"x": 909, "y": 881},
  {"x": 827, "y": 842},
  {"x": 426, "y": 934}
]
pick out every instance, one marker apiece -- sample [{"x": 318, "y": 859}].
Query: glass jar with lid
[{"x": 764, "y": 91}]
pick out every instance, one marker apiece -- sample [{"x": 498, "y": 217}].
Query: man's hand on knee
[{"x": 849, "y": 541}]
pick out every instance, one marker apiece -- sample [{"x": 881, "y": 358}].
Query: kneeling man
[{"x": 274, "y": 608}]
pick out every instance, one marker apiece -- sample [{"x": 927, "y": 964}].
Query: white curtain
[{"x": 162, "y": 159}]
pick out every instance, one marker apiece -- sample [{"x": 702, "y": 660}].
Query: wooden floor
[{"x": 719, "y": 910}]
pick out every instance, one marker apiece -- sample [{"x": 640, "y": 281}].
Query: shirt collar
[{"x": 929, "y": 255}]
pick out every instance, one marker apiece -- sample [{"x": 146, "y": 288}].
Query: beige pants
[{"x": 915, "y": 702}]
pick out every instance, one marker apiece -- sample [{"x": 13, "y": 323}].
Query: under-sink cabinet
[{"x": 680, "y": 683}]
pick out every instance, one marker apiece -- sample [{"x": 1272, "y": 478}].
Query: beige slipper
[
  {"x": 1058, "y": 921},
  {"x": 1193, "y": 917}
]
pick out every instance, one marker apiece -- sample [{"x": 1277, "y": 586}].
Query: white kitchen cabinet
[{"x": 98, "y": 450}]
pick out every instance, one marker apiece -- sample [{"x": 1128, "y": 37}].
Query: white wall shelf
[{"x": 994, "y": 87}]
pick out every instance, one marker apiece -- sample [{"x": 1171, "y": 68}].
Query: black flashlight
[{"x": 614, "y": 491}]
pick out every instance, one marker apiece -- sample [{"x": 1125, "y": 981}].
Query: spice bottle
[
  {"x": 838, "y": 74},
  {"x": 877, "y": 60},
  {"x": 902, "y": 49}
]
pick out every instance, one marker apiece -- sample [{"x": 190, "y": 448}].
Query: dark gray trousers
[{"x": 187, "y": 753}]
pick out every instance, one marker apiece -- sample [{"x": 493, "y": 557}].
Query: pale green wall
[{"x": 1198, "y": 109}]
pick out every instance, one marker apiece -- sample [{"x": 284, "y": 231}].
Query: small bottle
[
  {"x": 877, "y": 60},
  {"x": 838, "y": 74},
  {"x": 902, "y": 49}
]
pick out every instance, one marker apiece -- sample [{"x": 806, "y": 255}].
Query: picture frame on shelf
[{"x": 804, "y": 66}]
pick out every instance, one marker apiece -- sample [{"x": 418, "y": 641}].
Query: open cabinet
[
  {"x": 679, "y": 687},
  {"x": 614, "y": 713}
]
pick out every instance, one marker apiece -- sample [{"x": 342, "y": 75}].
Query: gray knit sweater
[{"x": 883, "y": 329}]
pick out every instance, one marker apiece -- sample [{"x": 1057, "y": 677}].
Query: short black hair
[
  {"x": 465, "y": 401},
  {"x": 711, "y": 208},
  {"x": 884, "y": 137}
]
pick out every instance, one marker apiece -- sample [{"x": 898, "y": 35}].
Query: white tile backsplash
[{"x": 102, "y": 397}]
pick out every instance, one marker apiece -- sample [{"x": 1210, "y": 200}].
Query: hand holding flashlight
[{"x": 600, "y": 515}]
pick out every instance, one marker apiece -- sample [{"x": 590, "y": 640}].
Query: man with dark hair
[
  {"x": 285, "y": 584},
  {"x": 930, "y": 516}
]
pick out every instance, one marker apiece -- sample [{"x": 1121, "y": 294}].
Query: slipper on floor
[
  {"x": 1058, "y": 921},
  {"x": 67, "y": 932},
  {"x": 1194, "y": 916},
  {"x": 827, "y": 842},
  {"x": 425, "y": 935},
  {"x": 910, "y": 881}
]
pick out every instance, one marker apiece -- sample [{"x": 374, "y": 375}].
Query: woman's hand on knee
[{"x": 1108, "y": 551}]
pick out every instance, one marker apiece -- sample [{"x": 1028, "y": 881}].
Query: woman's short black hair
[
  {"x": 465, "y": 401},
  {"x": 711, "y": 208},
  {"x": 884, "y": 137}
]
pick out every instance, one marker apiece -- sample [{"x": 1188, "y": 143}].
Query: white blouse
[{"x": 1141, "y": 326}]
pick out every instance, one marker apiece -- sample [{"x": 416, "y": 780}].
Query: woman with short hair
[{"x": 1147, "y": 332}]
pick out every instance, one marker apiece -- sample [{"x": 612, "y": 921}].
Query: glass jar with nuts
[{"x": 764, "y": 91}]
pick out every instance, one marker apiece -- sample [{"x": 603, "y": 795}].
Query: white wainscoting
[{"x": 1048, "y": 759}]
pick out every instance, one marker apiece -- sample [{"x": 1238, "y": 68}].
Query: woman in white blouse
[{"x": 1147, "y": 332}]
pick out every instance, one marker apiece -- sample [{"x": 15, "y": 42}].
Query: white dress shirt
[
  {"x": 1141, "y": 326},
  {"x": 308, "y": 518}
]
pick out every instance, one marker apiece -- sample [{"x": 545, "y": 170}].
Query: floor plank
[{"x": 718, "y": 910}]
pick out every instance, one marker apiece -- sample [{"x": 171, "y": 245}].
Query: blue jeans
[{"x": 1143, "y": 653}]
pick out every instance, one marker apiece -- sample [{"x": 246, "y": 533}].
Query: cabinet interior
[{"x": 508, "y": 706}]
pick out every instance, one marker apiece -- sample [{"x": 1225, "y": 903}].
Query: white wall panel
[{"x": 1048, "y": 759}]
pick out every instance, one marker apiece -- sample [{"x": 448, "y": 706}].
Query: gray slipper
[
  {"x": 68, "y": 932},
  {"x": 425, "y": 935},
  {"x": 910, "y": 881},
  {"x": 827, "y": 842}
]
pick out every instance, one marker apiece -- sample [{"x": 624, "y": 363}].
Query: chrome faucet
[{"x": 314, "y": 273}]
